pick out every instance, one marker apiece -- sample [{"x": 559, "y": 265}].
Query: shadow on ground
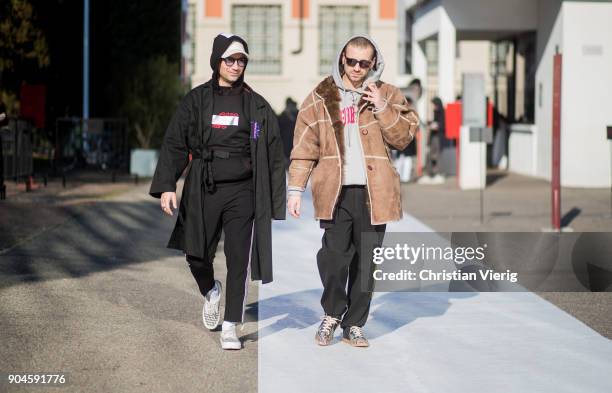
[
  {"x": 389, "y": 311},
  {"x": 95, "y": 237}
]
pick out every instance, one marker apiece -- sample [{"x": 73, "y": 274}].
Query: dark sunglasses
[
  {"x": 229, "y": 61},
  {"x": 362, "y": 63}
]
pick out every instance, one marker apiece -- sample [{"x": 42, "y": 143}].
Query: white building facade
[
  {"x": 535, "y": 30},
  {"x": 290, "y": 51},
  {"x": 511, "y": 42}
]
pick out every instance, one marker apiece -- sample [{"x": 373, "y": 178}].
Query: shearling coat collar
[
  {"x": 317, "y": 152},
  {"x": 328, "y": 91}
]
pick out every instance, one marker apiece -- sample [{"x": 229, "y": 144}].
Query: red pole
[
  {"x": 556, "y": 144},
  {"x": 457, "y": 158},
  {"x": 419, "y": 164}
]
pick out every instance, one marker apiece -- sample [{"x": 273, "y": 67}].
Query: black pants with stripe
[
  {"x": 339, "y": 260},
  {"x": 230, "y": 208}
]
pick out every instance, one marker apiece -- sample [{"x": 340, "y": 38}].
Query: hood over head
[
  {"x": 374, "y": 73},
  {"x": 220, "y": 45}
]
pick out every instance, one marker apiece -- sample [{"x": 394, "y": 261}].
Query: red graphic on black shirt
[{"x": 225, "y": 119}]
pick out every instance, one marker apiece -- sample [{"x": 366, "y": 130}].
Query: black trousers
[
  {"x": 229, "y": 208},
  {"x": 339, "y": 259}
]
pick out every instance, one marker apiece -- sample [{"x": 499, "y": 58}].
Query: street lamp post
[
  {"x": 609, "y": 135},
  {"x": 85, "y": 59},
  {"x": 85, "y": 121}
]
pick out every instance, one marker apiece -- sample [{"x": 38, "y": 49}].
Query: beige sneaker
[
  {"x": 325, "y": 333},
  {"x": 354, "y": 336}
]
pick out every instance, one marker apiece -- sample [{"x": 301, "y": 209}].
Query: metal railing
[
  {"x": 92, "y": 143},
  {"x": 16, "y": 153}
]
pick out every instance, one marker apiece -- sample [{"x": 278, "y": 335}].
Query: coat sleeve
[
  {"x": 276, "y": 163},
  {"x": 397, "y": 120},
  {"x": 305, "y": 152},
  {"x": 174, "y": 153}
]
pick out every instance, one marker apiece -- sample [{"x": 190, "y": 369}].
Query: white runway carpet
[{"x": 420, "y": 342}]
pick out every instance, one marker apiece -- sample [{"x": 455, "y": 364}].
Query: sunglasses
[
  {"x": 362, "y": 63},
  {"x": 229, "y": 61}
]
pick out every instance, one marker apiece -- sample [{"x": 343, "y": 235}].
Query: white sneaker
[
  {"x": 425, "y": 180},
  {"x": 229, "y": 339},
  {"x": 438, "y": 179},
  {"x": 210, "y": 311}
]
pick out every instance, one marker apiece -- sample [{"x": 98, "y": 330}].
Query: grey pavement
[
  {"x": 511, "y": 203},
  {"x": 25, "y": 214},
  {"x": 515, "y": 203},
  {"x": 98, "y": 297},
  {"x": 87, "y": 287}
]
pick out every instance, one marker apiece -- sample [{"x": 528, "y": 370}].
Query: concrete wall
[
  {"x": 523, "y": 149},
  {"x": 582, "y": 32},
  {"x": 473, "y": 57},
  {"x": 477, "y": 15},
  {"x": 300, "y": 73},
  {"x": 587, "y": 83},
  {"x": 427, "y": 21},
  {"x": 549, "y": 37},
  {"x": 476, "y": 21},
  {"x": 500, "y": 15}
]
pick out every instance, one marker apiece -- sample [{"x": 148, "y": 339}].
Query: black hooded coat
[{"x": 188, "y": 132}]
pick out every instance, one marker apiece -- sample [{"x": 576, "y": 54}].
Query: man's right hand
[
  {"x": 293, "y": 205},
  {"x": 167, "y": 201}
]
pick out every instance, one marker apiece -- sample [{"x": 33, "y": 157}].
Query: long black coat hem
[{"x": 187, "y": 132}]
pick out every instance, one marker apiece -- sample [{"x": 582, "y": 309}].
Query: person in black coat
[
  {"x": 235, "y": 182},
  {"x": 286, "y": 122},
  {"x": 437, "y": 142}
]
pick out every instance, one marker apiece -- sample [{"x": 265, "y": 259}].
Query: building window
[
  {"x": 498, "y": 58},
  {"x": 189, "y": 43},
  {"x": 260, "y": 26},
  {"x": 405, "y": 57},
  {"x": 524, "y": 78},
  {"x": 431, "y": 55},
  {"x": 336, "y": 25}
]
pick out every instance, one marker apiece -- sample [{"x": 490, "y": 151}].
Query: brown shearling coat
[{"x": 318, "y": 149}]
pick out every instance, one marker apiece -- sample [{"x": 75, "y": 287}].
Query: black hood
[{"x": 220, "y": 45}]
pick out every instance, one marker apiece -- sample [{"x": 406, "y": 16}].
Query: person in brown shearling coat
[{"x": 343, "y": 134}]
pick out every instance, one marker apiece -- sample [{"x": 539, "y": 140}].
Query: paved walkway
[
  {"x": 87, "y": 288},
  {"x": 421, "y": 342},
  {"x": 520, "y": 203},
  {"x": 97, "y": 296},
  {"x": 511, "y": 203}
]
